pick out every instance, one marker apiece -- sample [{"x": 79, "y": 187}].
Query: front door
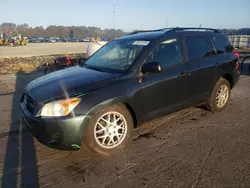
[{"x": 166, "y": 91}]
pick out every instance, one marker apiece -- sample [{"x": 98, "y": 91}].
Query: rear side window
[
  {"x": 198, "y": 47},
  {"x": 222, "y": 44}
]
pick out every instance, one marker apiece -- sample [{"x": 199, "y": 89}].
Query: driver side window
[{"x": 167, "y": 53}]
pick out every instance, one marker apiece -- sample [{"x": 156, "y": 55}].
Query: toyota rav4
[{"x": 132, "y": 79}]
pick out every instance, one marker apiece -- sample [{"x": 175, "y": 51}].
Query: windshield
[{"x": 117, "y": 55}]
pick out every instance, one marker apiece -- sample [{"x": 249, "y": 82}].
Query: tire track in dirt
[
  {"x": 174, "y": 147},
  {"x": 122, "y": 162},
  {"x": 197, "y": 180}
]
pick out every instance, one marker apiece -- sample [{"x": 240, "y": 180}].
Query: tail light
[{"x": 237, "y": 55}]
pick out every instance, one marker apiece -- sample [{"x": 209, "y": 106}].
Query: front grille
[{"x": 30, "y": 104}]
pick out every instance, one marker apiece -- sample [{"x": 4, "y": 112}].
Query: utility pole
[
  {"x": 166, "y": 23},
  {"x": 113, "y": 14}
]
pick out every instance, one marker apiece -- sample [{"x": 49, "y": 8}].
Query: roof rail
[
  {"x": 135, "y": 32},
  {"x": 144, "y": 31},
  {"x": 192, "y": 28},
  {"x": 174, "y": 29}
]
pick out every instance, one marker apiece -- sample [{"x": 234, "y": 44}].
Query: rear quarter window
[
  {"x": 222, "y": 44},
  {"x": 198, "y": 47}
]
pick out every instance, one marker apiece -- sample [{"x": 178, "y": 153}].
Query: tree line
[{"x": 11, "y": 29}]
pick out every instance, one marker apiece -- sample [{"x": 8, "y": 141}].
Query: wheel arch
[
  {"x": 116, "y": 101},
  {"x": 229, "y": 78},
  {"x": 132, "y": 112}
]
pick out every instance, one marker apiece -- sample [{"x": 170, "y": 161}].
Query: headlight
[{"x": 60, "y": 107}]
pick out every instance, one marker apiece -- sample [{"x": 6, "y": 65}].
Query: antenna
[
  {"x": 113, "y": 14},
  {"x": 199, "y": 27}
]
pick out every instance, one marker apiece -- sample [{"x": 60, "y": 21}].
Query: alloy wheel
[
  {"x": 222, "y": 96},
  {"x": 110, "y": 130}
]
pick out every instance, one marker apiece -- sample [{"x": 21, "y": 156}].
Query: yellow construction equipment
[
  {"x": 95, "y": 39},
  {"x": 16, "y": 42},
  {"x": 24, "y": 41},
  {"x": 5, "y": 42}
]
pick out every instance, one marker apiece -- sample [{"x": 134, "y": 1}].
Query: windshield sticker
[{"x": 141, "y": 43}]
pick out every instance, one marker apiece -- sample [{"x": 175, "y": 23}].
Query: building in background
[{"x": 240, "y": 41}]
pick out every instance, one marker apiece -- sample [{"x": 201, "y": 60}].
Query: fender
[{"x": 118, "y": 100}]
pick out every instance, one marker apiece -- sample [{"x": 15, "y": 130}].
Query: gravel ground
[
  {"x": 190, "y": 148},
  {"x": 41, "y": 49}
]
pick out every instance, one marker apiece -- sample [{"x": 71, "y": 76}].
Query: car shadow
[{"x": 20, "y": 162}]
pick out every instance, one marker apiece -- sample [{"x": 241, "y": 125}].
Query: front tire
[
  {"x": 220, "y": 96},
  {"x": 109, "y": 130}
]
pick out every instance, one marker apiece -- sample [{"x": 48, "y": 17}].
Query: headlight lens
[{"x": 60, "y": 107}]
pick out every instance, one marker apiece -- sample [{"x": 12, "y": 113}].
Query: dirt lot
[
  {"x": 43, "y": 49},
  {"x": 190, "y": 148}
]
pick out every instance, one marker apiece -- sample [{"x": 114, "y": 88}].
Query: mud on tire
[{"x": 221, "y": 92}]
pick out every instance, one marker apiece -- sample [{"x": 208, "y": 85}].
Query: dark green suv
[{"x": 128, "y": 81}]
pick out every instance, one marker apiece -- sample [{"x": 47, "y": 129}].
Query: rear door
[
  {"x": 225, "y": 58},
  {"x": 201, "y": 58}
]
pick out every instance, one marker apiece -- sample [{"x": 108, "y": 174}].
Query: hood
[{"x": 68, "y": 82}]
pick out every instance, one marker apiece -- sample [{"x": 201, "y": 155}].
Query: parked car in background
[
  {"x": 53, "y": 39},
  {"x": 73, "y": 40},
  {"x": 64, "y": 40},
  {"x": 87, "y": 39},
  {"x": 81, "y": 40}
]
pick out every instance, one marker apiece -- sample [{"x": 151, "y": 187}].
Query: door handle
[{"x": 183, "y": 74}]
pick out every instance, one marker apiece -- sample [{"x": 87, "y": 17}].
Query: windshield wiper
[{"x": 94, "y": 68}]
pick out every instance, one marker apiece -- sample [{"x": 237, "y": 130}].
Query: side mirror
[{"x": 151, "y": 67}]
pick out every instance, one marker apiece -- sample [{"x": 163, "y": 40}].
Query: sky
[{"x": 129, "y": 14}]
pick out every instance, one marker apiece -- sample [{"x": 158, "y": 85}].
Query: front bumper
[{"x": 60, "y": 133}]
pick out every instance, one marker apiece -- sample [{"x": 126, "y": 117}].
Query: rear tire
[
  {"x": 109, "y": 130},
  {"x": 220, "y": 96}
]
